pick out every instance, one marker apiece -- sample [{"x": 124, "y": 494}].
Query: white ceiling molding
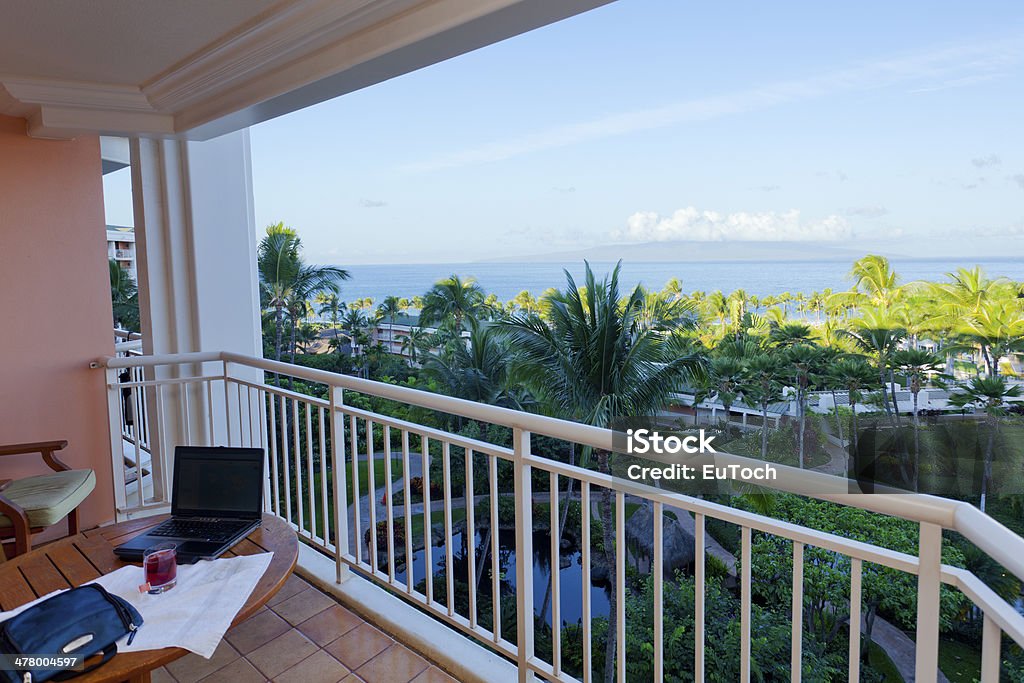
[
  {"x": 288, "y": 33},
  {"x": 293, "y": 55}
]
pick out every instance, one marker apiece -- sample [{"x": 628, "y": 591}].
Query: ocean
[{"x": 757, "y": 278}]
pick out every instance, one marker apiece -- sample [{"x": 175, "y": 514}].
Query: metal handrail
[
  {"x": 288, "y": 462},
  {"x": 986, "y": 533}
]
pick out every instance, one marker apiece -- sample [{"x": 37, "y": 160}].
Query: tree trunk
[
  {"x": 839, "y": 422},
  {"x": 917, "y": 445},
  {"x": 885, "y": 395},
  {"x": 291, "y": 380},
  {"x": 278, "y": 332},
  {"x": 559, "y": 531},
  {"x": 988, "y": 359},
  {"x": 986, "y": 473},
  {"x": 605, "y": 509},
  {"x": 764, "y": 430},
  {"x": 801, "y": 398},
  {"x": 895, "y": 403},
  {"x": 853, "y": 426}
]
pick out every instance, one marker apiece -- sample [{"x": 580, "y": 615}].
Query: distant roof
[
  {"x": 120, "y": 228},
  {"x": 401, "y": 319}
]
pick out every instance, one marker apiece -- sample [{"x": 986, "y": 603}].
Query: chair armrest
[{"x": 44, "y": 448}]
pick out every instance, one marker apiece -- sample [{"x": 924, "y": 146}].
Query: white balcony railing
[{"x": 223, "y": 399}]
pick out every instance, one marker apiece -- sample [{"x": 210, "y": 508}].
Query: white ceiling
[
  {"x": 200, "y": 68},
  {"x": 124, "y": 42}
]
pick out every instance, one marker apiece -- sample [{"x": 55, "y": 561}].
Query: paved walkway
[
  {"x": 899, "y": 646},
  {"x": 838, "y": 461}
]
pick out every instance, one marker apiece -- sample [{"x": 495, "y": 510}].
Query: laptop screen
[{"x": 217, "y": 482}]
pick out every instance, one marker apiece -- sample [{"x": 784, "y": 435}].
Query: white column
[
  {"x": 196, "y": 243},
  {"x": 196, "y": 248}
]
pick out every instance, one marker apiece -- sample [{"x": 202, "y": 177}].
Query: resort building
[
  {"x": 181, "y": 87},
  {"x": 121, "y": 248}
]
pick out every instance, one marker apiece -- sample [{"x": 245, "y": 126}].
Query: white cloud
[
  {"x": 712, "y": 226},
  {"x": 869, "y": 211},
  {"x": 372, "y": 203},
  {"x": 983, "y": 162},
  {"x": 935, "y": 68}
]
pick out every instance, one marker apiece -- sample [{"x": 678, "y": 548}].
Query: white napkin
[
  {"x": 193, "y": 615},
  {"x": 197, "y": 612}
]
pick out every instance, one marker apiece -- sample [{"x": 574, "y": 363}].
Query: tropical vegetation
[{"x": 794, "y": 378}]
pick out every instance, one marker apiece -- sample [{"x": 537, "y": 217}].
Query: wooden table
[{"x": 77, "y": 559}]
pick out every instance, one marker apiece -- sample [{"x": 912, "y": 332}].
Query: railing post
[
  {"x": 116, "y": 440},
  {"x": 338, "y": 479},
  {"x": 929, "y": 581},
  {"x": 524, "y": 553},
  {"x": 227, "y": 408}
]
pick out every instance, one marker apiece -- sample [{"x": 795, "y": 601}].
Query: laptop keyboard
[{"x": 211, "y": 530}]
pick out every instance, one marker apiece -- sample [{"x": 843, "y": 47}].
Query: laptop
[{"x": 216, "y": 500}]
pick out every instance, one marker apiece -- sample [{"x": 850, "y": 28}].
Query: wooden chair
[{"x": 30, "y": 505}]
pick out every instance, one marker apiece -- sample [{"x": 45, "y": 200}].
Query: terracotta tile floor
[{"x": 304, "y": 636}]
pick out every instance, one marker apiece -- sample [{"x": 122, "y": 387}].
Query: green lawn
[
  {"x": 960, "y": 662},
  {"x": 458, "y": 514},
  {"x": 881, "y": 663},
  {"x": 364, "y": 486}
]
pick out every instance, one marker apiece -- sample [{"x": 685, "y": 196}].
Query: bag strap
[{"x": 108, "y": 654}]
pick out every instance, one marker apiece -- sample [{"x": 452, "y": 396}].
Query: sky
[{"x": 892, "y": 126}]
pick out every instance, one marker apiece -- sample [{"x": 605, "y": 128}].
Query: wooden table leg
[{"x": 144, "y": 677}]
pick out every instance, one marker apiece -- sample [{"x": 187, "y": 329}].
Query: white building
[{"x": 121, "y": 248}]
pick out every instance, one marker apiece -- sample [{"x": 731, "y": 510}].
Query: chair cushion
[{"x": 48, "y": 498}]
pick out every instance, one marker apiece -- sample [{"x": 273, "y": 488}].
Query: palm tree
[
  {"x": 991, "y": 393},
  {"x": 124, "y": 295},
  {"x": 717, "y": 307},
  {"x": 661, "y": 312},
  {"x": 297, "y": 306},
  {"x": 878, "y": 337},
  {"x": 390, "y": 308},
  {"x": 331, "y": 306},
  {"x": 477, "y": 371},
  {"x": 876, "y": 281},
  {"x": 761, "y": 388},
  {"x": 917, "y": 365},
  {"x": 725, "y": 379},
  {"x": 523, "y": 301},
  {"x": 789, "y": 334},
  {"x": 673, "y": 288},
  {"x": 450, "y": 301},
  {"x": 412, "y": 343},
  {"x": 997, "y": 328},
  {"x": 593, "y": 361},
  {"x": 803, "y": 363},
  {"x": 307, "y": 337},
  {"x": 285, "y": 279},
  {"x": 856, "y": 376}
]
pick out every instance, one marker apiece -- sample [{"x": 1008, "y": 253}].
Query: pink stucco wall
[{"x": 54, "y": 305}]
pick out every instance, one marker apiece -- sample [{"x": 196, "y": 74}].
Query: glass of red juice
[{"x": 160, "y": 564}]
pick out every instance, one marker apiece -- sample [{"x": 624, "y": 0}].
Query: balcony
[
  {"x": 123, "y": 255},
  {"x": 346, "y": 459}
]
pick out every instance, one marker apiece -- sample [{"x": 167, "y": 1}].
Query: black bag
[{"x": 83, "y": 621}]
